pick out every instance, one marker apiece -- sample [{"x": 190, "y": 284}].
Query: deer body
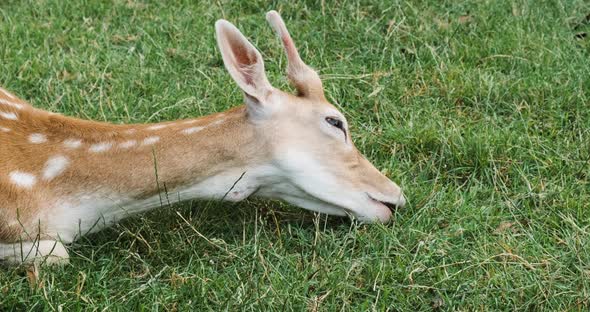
[{"x": 62, "y": 177}]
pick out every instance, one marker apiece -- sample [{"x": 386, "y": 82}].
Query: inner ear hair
[{"x": 242, "y": 60}]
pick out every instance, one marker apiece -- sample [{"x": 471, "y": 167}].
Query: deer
[{"x": 63, "y": 177}]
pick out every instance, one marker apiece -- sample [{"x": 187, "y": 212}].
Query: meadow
[{"x": 480, "y": 110}]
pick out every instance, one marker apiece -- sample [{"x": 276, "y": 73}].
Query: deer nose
[{"x": 402, "y": 201}]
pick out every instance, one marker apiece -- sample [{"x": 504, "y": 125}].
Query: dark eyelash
[{"x": 335, "y": 122}]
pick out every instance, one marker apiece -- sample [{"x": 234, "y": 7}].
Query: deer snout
[
  {"x": 393, "y": 202},
  {"x": 385, "y": 206},
  {"x": 389, "y": 195},
  {"x": 379, "y": 186},
  {"x": 396, "y": 196},
  {"x": 402, "y": 201}
]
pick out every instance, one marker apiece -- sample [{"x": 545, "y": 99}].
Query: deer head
[{"x": 319, "y": 167}]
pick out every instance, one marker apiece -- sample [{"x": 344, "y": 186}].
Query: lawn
[{"x": 480, "y": 110}]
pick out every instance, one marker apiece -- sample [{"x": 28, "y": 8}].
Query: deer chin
[
  {"x": 372, "y": 211},
  {"x": 356, "y": 205},
  {"x": 316, "y": 205}
]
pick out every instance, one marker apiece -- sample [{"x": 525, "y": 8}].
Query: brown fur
[{"x": 180, "y": 158}]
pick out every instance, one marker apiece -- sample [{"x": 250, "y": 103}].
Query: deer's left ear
[{"x": 244, "y": 63}]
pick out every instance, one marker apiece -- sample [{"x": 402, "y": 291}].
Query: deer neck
[
  {"x": 78, "y": 176},
  {"x": 144, "y": 166}
]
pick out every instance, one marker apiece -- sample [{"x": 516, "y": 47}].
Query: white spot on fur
[
  {"x": 54, "y": 167},
  {"x": 8, "y": 94},
  {"x": 13, "y": 223},
  {"x": 11, "y": 104},
  {"x": 23, "y": 179},
  {"x": 128, "y": 144},
  {"x": 192, "y": 121},
  {"x": 72, "y": 143},
  {"x": 157, "y": 127},
  {"x": 37, "y": 138},
  {"x": 100, "y": 147},
  {"x": 192, "y": 130},
  {"x": 130, "y": 131},
  {"x": 218, "y": 121},
  {"x": 10, "y": 116},
  {"x": 3, "y": 129},
  {"x": 150, "y": 140}
]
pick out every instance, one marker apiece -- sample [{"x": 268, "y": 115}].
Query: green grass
[{"x": 480, "y": 110}]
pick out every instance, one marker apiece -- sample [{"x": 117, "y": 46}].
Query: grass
[{"x": 479, "y": 109}]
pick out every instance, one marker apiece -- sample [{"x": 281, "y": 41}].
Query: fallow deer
[{"x": 62, "y": 177}]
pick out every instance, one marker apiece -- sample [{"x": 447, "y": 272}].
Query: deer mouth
[{"x": 389, "y": 205}]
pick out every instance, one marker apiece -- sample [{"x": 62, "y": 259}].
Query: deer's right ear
[{"x": 244, "y": 63}]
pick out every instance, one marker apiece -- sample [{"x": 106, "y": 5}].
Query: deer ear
[
  {"x": 304, "y": 78},
  {"x": 244, "y": 63}
]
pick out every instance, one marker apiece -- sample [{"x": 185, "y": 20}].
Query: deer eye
[{"x": 335, "y": 122}]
